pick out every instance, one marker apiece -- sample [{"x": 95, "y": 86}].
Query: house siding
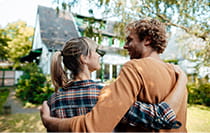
[{"x": 37, "y": 43}]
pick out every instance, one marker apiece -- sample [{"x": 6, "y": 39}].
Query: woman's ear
[{"x": 83, "y": 59}]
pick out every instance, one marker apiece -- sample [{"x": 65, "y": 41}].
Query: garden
[{"x": 198, "y": 114}]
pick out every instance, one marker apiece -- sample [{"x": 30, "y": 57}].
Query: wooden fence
[{"x": 9, "y": 77}]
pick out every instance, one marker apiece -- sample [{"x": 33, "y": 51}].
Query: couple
[{"x": 145, "y": 78}]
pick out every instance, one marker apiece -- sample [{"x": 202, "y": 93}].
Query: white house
[
  {"x": 53, "y": 29},
  {"x": 115, "y": 55}
]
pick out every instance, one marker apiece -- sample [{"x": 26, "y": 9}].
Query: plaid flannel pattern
[
  {"x": 77, "y": 99},
  {"x": 155, "y": 116}
]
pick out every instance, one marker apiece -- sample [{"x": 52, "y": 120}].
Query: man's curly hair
[{"x": 151, "y": 29}]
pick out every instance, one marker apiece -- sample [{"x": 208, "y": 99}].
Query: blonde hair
[{"x": 70, "y": 57}]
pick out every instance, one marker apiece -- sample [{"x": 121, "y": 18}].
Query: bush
[
  {"x": 199, "y": 94},
  {"x": 32, "y": 86},
  {"x": 4, "y": 92}
]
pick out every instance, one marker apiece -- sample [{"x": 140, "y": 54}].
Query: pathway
[{"x": 16, "y": 104}]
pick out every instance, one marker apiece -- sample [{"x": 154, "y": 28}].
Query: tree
[
  {"x": 187, "y": 15},
  {"x": 195, "y": 50},
  {"x": 20, "y": 40},
  {"x": 3, "y": 44},
  {"x": 192, "y": 16}
]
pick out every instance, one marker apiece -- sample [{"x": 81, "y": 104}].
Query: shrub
[
  {"x": 199, "y": 94},
  {"x": 32, "y": 86},
  {"x": 4, "y": 92}
]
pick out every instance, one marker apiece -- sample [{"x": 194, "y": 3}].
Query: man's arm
[
  {"x": 114, "y": 101},
  {"x": 178, "y": 91},
  {"x": 45, "y": 113},
  {"x": 158, "y": 116}
]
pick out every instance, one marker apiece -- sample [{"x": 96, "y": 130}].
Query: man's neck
[{"x": 154, "y": 55}]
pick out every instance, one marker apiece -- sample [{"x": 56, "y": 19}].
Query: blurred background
[{"x": 32, "y": 30}]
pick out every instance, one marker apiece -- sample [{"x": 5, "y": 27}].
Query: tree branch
[{"x": 172, "y": 24}]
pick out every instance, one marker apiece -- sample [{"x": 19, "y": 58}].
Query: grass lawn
[
  {"x": 198, "y": 118},
  {"x": 30, "y": 122},
  {"x": 198, "y": 121}
]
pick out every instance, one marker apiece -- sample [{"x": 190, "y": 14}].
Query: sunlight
[
  {"x": 40, "y": 125},
  {"x": 19, "y": 124},
  {"x": 106, "y": 92},
  {"x": 32, "y": 118},
  {"x": 7, "y": 130}
]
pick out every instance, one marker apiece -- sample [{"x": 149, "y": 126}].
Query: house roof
[{"x": 56, "y": 28}]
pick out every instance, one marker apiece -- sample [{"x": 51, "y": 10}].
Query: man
[{"x": 145, "y": 78}]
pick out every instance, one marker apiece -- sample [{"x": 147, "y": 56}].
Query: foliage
[
  {"x": 191, "y": 16},
  {"x": 182, "y": 14},
  {"x": 194, "y": 49},
  {"x": 199, "y": 93},
  {"x": 32, "y": 86},
  {"x": 173, "y": 61},
  {"x": 20, "y": 43},
  {"x": 93, "y": 28},
  {"x": 3, "y": 44},
  {"x": 4, "y": 92}
]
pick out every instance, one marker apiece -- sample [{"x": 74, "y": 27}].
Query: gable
[{"x": 55, "y": 29}]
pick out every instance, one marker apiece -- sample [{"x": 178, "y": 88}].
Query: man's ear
[
  {"x": 147, "y": 41},
  {"x": 83, "y": 59}
]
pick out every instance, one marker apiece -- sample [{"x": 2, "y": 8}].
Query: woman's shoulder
[{"x": 98, "y": 85}]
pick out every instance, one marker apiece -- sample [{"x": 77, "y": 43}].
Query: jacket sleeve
[{"x": 114, "y": 101}]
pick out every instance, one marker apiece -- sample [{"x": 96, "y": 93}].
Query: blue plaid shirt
[
  {"x": 155, "y": 116},
  {"x": 77, "y": 99},
  {"x": 81, "y": 96}
]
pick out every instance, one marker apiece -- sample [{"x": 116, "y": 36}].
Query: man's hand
[
  {"x": 181, "y": 74},
  {"x": 44, "y": 113},
  {"x": 51, "y": 123}
]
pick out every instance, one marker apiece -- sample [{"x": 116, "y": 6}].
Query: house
[
  {"x": 53, "y": 29},
  {"x": 115, "y": 55}
]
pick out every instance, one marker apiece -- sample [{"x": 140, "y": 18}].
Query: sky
[{"x": 25, "y": 10}]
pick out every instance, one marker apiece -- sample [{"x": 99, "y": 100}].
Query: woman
[{"x": 78, "y": 95}]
